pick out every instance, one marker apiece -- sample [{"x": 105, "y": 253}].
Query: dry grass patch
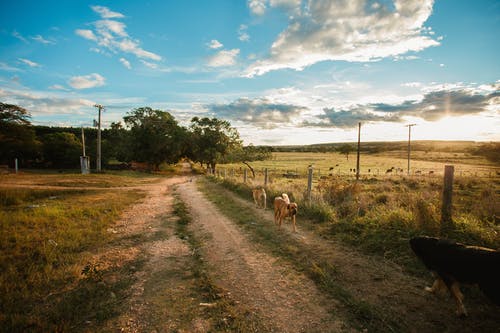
[{"x": 45, "y": 241}]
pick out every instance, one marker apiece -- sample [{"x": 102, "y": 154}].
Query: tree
[
  {"x": 62, "y": 149},
  {"x": 248, "y": 154},
  {"x": 345, "y": 149},
  {"x": 115, "y": 143},
  {"x": 17, "y": 137},
  {"x": 213, "y": 140},
  {"x": 155, "y": 137}
]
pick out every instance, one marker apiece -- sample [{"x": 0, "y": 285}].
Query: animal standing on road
[
  {"x": 284, "y": 209},
  {"x": 455, "y": 263},
  {"x": 259, "y": 197}
]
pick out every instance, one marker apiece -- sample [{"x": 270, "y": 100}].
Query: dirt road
[
  {"x": 165, "y": 298},
  {"x": 286, "y": 300}
]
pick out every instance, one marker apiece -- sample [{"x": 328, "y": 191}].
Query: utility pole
[
  {"x": 409, "y": 147},
  {"x": 83, "y": 142},
  {"x": 98, "y": 158},
  {"x": 359, "y": 145}
]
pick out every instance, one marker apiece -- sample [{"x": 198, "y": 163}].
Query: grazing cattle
[
  {"x": 389, "y": 170},
  {"x": 455, "y": 263},
  {"x": 331, "y": 168}
]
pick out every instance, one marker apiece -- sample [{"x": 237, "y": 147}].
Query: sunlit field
[
  {"x": 381, "y": 211},
  {"x": 421, "y": 163}
]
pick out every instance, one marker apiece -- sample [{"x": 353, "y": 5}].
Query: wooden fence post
[
  {"x": 309, "y": 183},
  {"x": 266, "y": 177},
  {"x": 446, "y": 217}
]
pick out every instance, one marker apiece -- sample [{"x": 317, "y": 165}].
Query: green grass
[{"x": 45, "y": 240}]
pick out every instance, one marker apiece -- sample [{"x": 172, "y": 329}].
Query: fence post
[
  {"x": 266, "y": 177},
  {"x": 309, "y": 183},
  {"x": 16, "y": 165},
  {"x": 245, "y": 176},
  {"x": 446, "y": 217}
]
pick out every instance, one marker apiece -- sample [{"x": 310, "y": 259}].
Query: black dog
[{"x": 455, "y": 263}]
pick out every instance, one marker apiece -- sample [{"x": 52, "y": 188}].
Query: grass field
[
  {"x": 47, "y": 236},
  {"x": 379, "y": 213},
  {"x": 371, "y": 164}
]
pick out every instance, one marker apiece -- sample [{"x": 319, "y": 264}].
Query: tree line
[{"x": 146, "y": 135}]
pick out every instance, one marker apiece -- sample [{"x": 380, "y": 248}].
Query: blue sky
[{"x": 281, "y": 71}]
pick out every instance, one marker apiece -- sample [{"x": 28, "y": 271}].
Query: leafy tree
[
  {"x": 17, "y": 137},
  {"x": 62, "y": 149},
  {"x": 114, "y": 144},
  {"x": 213, "y": 139},
  {"x": 155, "y": 137},
  {"x": 248, "y": 154},
  {"x": 345, "y": 149}
]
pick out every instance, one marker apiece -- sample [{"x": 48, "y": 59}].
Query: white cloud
[
  {"x": 349, "y": 31},
  {"x": 104, "y": 27},
  {"x": 214, "y": 44},
  {"x": 285, "y": 3},
  {"x": 224, "y": 58},
  {"x": 87, "y": 81},
  {"x": 87, "y": 34},
  {"x": 412, "y": 84},
  {"x": 105, "y": 12},
  {"x": 40, "y": 39},
  {"x": 39, "y": 103},
  {"x": 29, "y": 62},
  {"x": 257, "y": 7},
  {"x": 112, "y": 35},
  {"x": 242, "y": 33},
  {"x": 149, "y": 64},
  {"x": 130, "y": 46},
  {"x": 19, "y": 36},
  {"x": 125, "y": 63},
  {"x": 58, "y": 87},
  {"x": 7, "y": 67}
]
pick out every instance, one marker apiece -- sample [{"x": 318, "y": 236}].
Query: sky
[{"x": 282, "y": 72}]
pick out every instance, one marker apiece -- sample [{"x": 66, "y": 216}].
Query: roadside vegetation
[
  {"x": 361, "y": 314},
  {"x": 380, "y": 214},
  {"x": 47, "y": 237},
  {"x": 376, "y": 217}
]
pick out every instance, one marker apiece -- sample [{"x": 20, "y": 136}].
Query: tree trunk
[{"x": 251, "y": 169}]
